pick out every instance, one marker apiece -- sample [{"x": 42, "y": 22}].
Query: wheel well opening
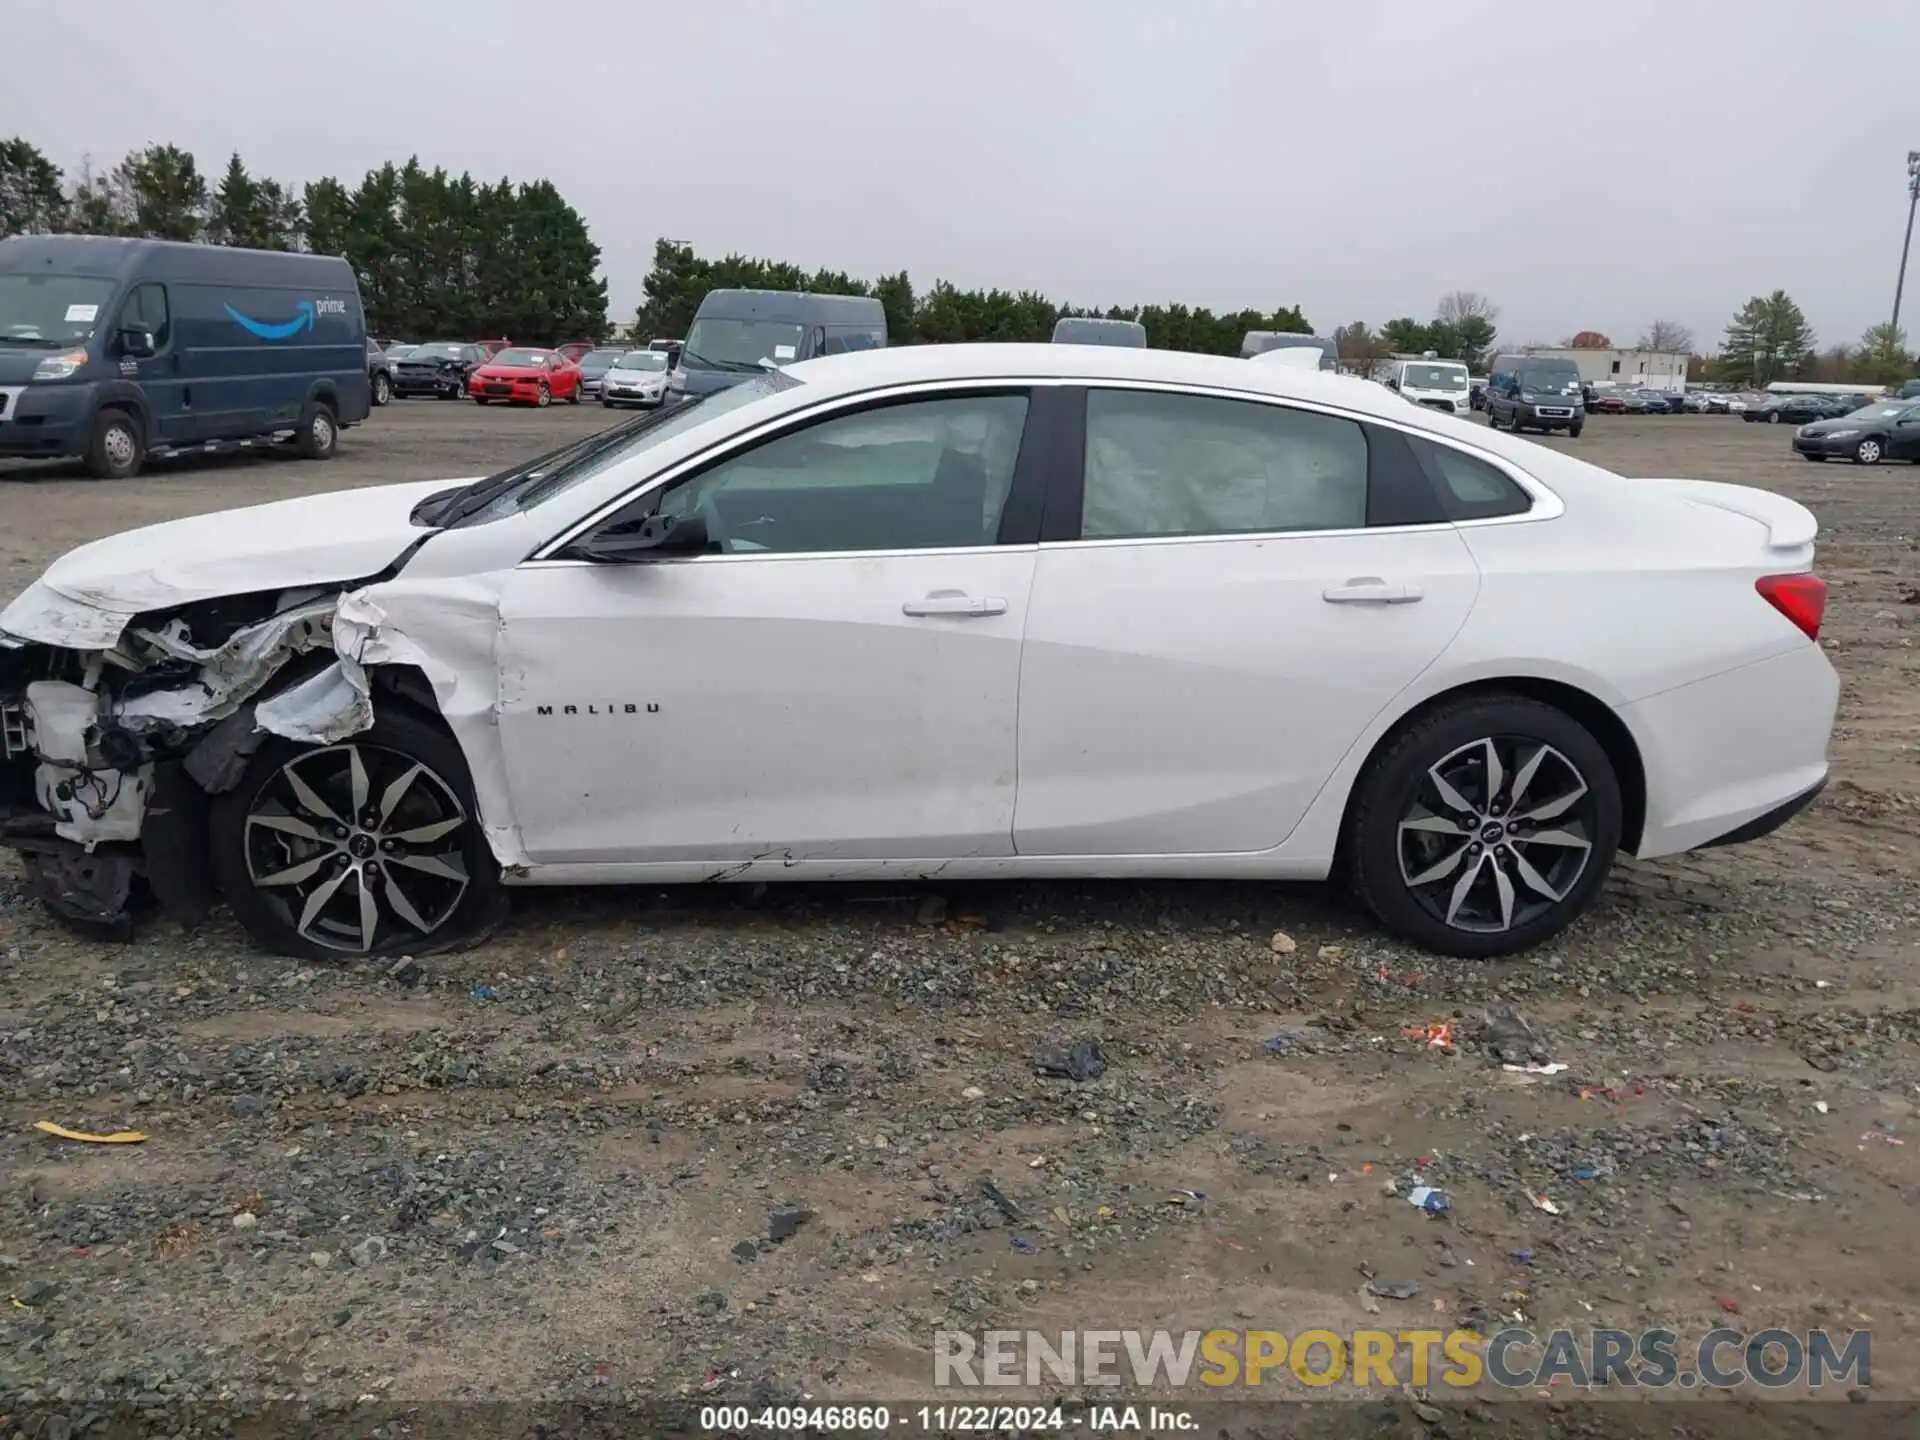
[
  {"x": 406, "y": 687},
  {"x": 1570, "y": 700}
]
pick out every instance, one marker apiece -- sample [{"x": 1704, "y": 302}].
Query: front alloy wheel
[
  {"x": 1486, "y": 827},
  {"x": 1868, "y": 451},
  {"x": 366, "y": 847}
]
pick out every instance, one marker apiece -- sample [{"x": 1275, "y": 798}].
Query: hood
[{"x": 87, "y": 596}]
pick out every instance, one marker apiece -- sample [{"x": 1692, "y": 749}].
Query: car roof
[{"x": 912, "y": 364}]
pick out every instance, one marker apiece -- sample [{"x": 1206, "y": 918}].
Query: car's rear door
[
  {"x": 841, "y": 683},
  {"x": 1229, "y": 590}
]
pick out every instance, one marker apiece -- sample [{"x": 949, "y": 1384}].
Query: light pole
[{"x": 1913, "y": 199}]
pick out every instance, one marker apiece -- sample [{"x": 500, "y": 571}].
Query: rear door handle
[
  {"x": 1371, "y": 590},
  {"x": 953, "y": 602}
]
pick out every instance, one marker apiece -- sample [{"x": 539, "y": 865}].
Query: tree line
[
  {"x": 448, "y": 256},
  {"x": 942, "y": 314},
  {"x": 438, "y": 256}
]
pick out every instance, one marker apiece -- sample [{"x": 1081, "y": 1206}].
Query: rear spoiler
[{"x": 1790, "y": 525}]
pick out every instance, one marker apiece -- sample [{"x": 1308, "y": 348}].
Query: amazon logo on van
[{"x": 306, "y": 315}]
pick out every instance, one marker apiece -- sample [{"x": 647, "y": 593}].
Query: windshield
[
  {"x": 1550, "y": 382},
  {"x": 400, "y": 352},
  {"x": 53, "y": 311},
  {"x": 526, "y": 359},
  {"x": 1435, "y": 377},
  {"x": 642, "y": 360},
  {"x": 716, "y": 344},
  {"x": 1880, "y": 410},
  {"x": 537, "y": 481},
  {"x": 438, "y": 351},
  {"x": 600, "y": 359}
]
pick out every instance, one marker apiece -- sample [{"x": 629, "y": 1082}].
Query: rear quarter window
[{"x": 1468, "y": 487}]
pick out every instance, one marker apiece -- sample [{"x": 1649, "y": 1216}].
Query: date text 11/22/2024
[{"x": 940, "y": 1419}]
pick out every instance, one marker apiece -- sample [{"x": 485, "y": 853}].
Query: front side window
[
  {"x": 919, "y": 475},
  {"x": 146, "y": 309},
  {"x": 843, "y": 338},
  {"x": 1164, "y": 465}
]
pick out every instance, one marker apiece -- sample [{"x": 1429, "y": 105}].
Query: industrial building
[{"x": 1629, "y": 369}]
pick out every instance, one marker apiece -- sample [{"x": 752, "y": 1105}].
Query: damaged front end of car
[{"x": 117, "y": 730}]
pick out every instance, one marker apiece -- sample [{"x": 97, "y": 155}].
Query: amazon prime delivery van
[
  {"x": 735, "y": 333},
  {"x": 116, "y": 351}
]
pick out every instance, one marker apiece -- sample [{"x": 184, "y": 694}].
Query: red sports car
[{"x": 526, "y": 377}]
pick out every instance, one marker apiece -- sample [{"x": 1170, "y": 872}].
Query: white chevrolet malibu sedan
[{"x": 957, "y": 611}]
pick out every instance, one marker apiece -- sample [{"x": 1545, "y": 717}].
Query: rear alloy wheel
[
  {"x": 1486, "y": 827},
  {"x": 367, "y": 847},
  {"x": 1869, "y": 452}
]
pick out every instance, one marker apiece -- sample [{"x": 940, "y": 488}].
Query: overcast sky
[{"x": 1586, "y": 166}]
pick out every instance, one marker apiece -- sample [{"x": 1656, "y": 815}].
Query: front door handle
[
  {"x": 1371, "y": 590},
  {"x": 954, "y": 602}
]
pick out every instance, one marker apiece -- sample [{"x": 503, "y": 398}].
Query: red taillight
[{"x": 1801, "y": 598}]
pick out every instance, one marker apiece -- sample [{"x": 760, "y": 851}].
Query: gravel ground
[{"x": 549, "y": 1169}]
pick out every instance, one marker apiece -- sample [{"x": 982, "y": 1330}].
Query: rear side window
[
  {"x": 1170, "y": 465},
  {"x": 1469, "y": 488}
]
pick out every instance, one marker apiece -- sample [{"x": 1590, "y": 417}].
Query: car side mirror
[
  {"x": 136, "y": 343},
  {"x": 654, "y": 537}
]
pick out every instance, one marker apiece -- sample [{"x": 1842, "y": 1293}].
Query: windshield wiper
[
  {"x": 750, "y": 368},
  {"x": 456, "y": 504}
]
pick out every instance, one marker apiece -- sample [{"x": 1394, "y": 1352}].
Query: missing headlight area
[{"x": 107, "y": 756}]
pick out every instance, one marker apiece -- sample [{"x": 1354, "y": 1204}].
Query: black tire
[
  {"x": 1397, "y": 778},
  {"x": 479, "y": 399},
  {"x": 382, "y": 388},
  {"x": 456, "y": 909},
  {"x": 1816, "y": 458},
  {"x": 319, "y": 434},
  {"x": 117, "y": 448},
  {"x": 1573, "y": 431}
]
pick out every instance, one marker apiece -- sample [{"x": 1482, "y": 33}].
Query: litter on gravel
[{"x": 61, "y": 1132}]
